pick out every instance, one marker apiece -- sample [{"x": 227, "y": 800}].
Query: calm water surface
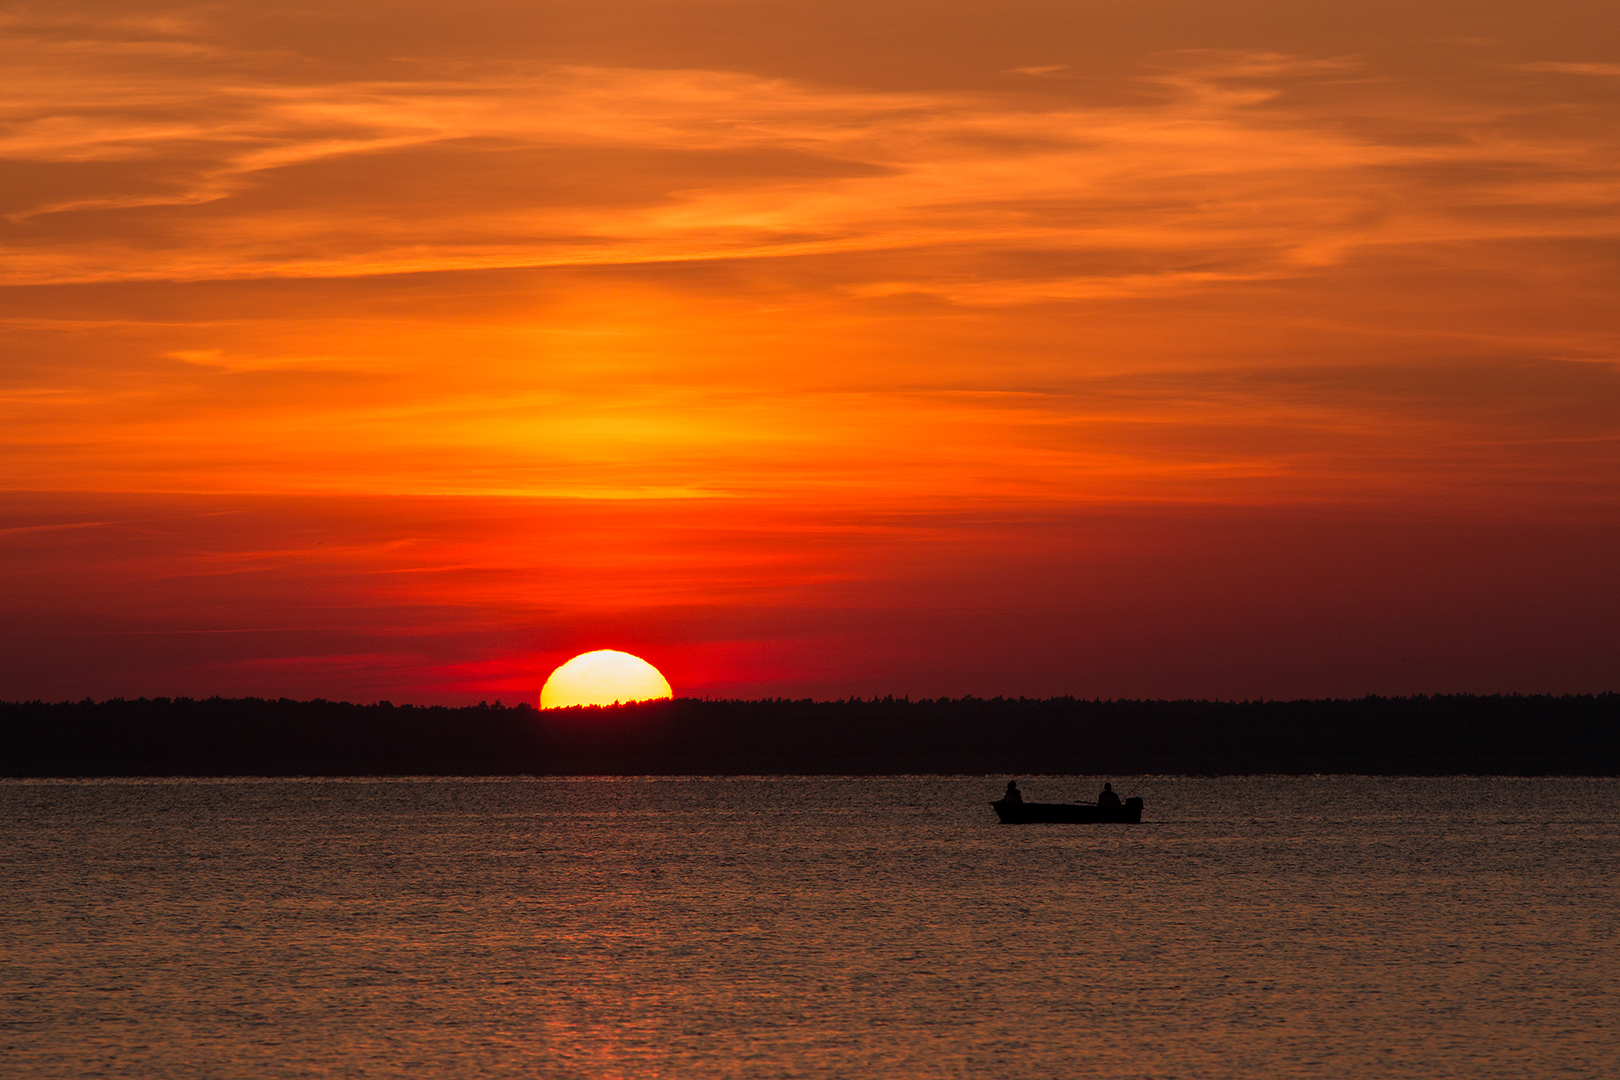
[{"x": 1250, "y": 927}]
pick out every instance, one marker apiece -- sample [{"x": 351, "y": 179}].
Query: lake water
[{"x": 875, "y": 927}]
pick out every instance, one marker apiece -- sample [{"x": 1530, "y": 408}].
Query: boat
[{"x": 1031, "y": 813}]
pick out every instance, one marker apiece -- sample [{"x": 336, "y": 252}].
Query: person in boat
[
  {"x": 1013, "y": 794},
  {"x": 1108, "y": 798}
]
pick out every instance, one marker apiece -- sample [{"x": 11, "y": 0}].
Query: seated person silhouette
[
  {"x": 1108, "y": 798},
  {"x": 1013, "y": 794}
]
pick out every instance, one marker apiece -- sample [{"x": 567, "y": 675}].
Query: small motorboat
[{"x": 1031, "y": 813}]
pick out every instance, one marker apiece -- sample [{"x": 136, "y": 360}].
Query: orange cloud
[{"x": 165, "y": 157}]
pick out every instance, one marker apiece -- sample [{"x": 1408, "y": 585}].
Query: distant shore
[{"x": 1577, "y": 735}]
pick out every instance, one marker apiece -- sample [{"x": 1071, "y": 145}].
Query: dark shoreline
[{"x": 1443, "y": 735}]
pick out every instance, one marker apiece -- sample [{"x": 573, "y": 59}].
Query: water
[{"x": 1250, "y": 927}]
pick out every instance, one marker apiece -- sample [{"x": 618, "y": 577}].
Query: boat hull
[{"x": 1033, "y": 813}]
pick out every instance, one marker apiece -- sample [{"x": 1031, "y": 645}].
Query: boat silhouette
[{"x": 1032, "y": 813}]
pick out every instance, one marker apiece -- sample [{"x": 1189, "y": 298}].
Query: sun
[{"x": 601, "y": 678}]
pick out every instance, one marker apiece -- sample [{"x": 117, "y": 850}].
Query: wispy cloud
[
  {"x": 165, "y": 157},
  {"x": 757, "y": 283},
  {"x": 1567, "y": 68}
]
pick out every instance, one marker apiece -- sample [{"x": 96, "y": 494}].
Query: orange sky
[{"x": 402, "y": 350}]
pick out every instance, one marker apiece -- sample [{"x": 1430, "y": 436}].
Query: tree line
[{"x": 1423, "y": 735}]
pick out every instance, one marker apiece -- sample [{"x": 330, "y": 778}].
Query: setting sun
[{"x": 602, "y": 678}]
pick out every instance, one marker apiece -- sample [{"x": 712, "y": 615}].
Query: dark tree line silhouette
[{"x": 1440, "y": 735}]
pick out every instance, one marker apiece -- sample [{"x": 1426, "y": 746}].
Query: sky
[{"x": 810, "y": 349}]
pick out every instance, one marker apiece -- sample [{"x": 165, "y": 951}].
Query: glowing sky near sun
[{"x": 1164, "y": 348}]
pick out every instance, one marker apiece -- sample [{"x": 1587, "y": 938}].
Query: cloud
[
  {"x": 1562, "y": 68},
  {"x": 164, "y": 156},
  {"x": 271, "y": 268}
]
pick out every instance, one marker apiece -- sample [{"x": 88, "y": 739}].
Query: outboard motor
[{"x": 1134, "y": 802}]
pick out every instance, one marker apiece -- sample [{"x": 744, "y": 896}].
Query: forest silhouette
[{"x": 1439, "y": 735}]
